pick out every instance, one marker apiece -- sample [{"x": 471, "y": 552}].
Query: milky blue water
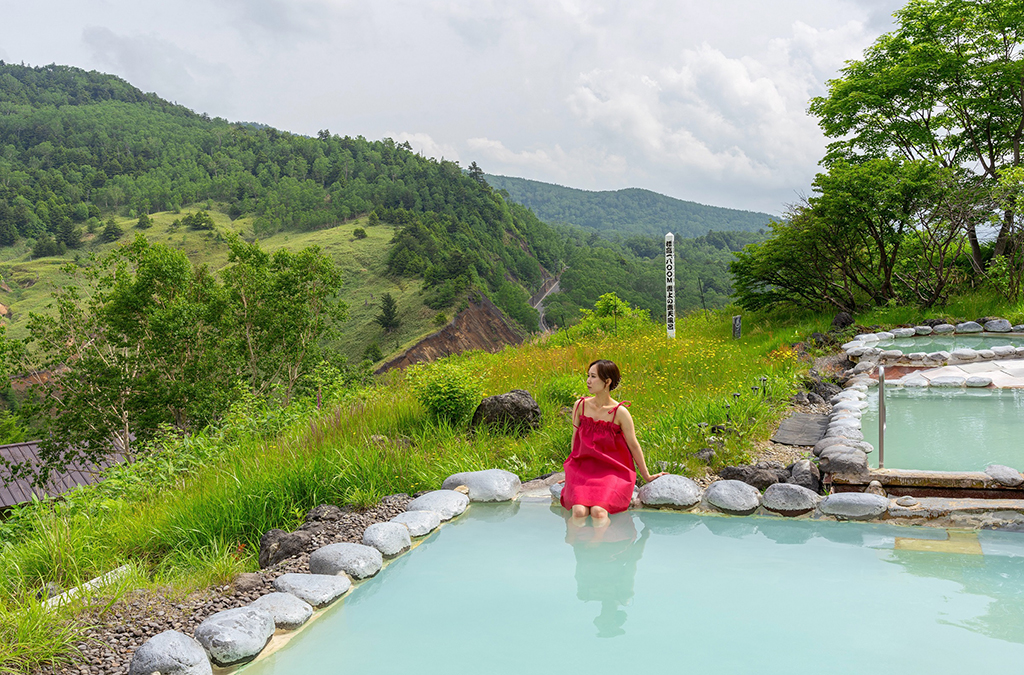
[
  {"x": 515, "y": 588},
  {"x": 936, "y": 343},
  {"x": 939, "y": 429}
]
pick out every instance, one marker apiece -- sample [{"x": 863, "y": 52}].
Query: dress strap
[{"x": 616, "y": 408}]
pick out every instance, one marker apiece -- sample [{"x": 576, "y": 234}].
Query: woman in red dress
[{"x": 599, "y": 474}]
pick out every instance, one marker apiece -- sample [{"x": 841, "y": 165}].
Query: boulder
[
  {"x": 998, "y": 326},
  {"x": 388, "y": 538},
  {"x": 490, "y": 485},
  {"x": 170, "y": 653},
  {"x": 892, "y": 354},
  {"x": 288, "y": 611},
  {"x": 842, "y": 320},
  {"x": 672, "y": 491},
  {"x": 356, "y": 560},
  {"x": 1004, "y": 351},
  {"x": 884, "y": 335},
  {"x": 964, "y": 354},
  {"x": 852, "y": 433},
  {"x": 855, "y": 406},
  {"x": 276, "y": 545},
  {"x": 515, "y": 411},
  {"x": 733, "y": 496},
  {"x": 915, "y": 381},
  {"x": 420, "y": 523},
  {"x": 446, "y": 503},
  {"x": 758, "y": 477},
  {"x": 969, "y": 327},
  {"x": 863, "y": 367},
  {"x": 246, "y": 582},
  {"x": 1019, "y": 328},
  {"x": 789, "y": 499},
  {"x": 854, "y": 505},
  {"x": 235, "y": 635},
  {"x": 866, "y": 337},
  {"x": 923, "y": 330},
  {"x": 847, "y": 395},
  {"x": 316, "y": 589},
  {"x": 852, "y": 344},
  {"x": 843, "y": 459},
  {"x": 1004, "y": 474},
  {"x": 949, "y": 381},
  {"x": 556, "y": 491},
  {"x": 978, "y": 381},
  {"x": 805, "y": 473},
  {"x": 903, "y": 332},
  {"x": 917, "y": 356},
  {"x": 941, "y": 355},
  {"x": 854, "y": 352},
  {"x": 986, "y": 354},
  {"x": 827, "y": 442},
  {"x": 907, "y": 500},
  {"x": 943, "y": 328}
]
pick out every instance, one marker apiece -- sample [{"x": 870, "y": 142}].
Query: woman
[{"x": 599, "y": 474}]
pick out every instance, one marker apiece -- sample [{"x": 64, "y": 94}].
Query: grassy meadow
[
  {"x": 191, "y": 515},
  {"x": 362, "y": 261}
]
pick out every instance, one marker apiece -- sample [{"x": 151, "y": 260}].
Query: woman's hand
[{"x": 648, "y": 478}]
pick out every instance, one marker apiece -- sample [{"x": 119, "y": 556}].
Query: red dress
[{"x": 599, "y": 470}]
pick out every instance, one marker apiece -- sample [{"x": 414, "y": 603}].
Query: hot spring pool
[
  {"x": 941, "y": 429},
  {"x": 508, "y": 589},
  {"x": 947, "y": 342}
]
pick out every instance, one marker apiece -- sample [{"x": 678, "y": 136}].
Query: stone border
[{"x": 861, "y": 349}]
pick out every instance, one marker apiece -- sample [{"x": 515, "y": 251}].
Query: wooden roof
[{"x": 14, "y": 492}]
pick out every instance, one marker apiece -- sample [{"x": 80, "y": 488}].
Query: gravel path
[{"x": 117, "y": 632}]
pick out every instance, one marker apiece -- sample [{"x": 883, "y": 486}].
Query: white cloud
[{"x": 425, "y": 145}]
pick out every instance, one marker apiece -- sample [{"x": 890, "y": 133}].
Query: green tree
[
  {"x": 111, "y": 232},
  {"x": 947, "y": 85},
  {"x": 388, "y": 317},
  {"x": 145, "y": 222},
  {"x": 359, "y": 233}
]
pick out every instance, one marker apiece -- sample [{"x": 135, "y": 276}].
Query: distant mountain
[{"x": 626, "y": 212}]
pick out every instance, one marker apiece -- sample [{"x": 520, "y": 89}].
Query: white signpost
[{"x": 670, "y": 284}]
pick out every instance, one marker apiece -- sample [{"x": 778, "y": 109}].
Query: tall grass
[{"x": 193, "y": 514}]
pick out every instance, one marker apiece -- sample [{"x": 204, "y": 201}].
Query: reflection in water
[{"x": 606, "y": 559}]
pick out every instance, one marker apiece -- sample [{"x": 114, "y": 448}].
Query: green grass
[
  {"x": 362, "y": 261},
  {"x": 192, "y": 514}
]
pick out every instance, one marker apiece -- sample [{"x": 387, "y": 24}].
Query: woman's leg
[
  {"x": 598, "y": 513},
  {"x": 580, "y": 511}
]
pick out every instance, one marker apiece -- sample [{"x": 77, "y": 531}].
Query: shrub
[
  {"x": 145, "y": 222},
  {"x": 440, "y": 319},
  {"x": 373, "y": 352},
  {"x": 448, "y": 391},
  {"x": 359, "y": 233},
  {"x": 563, "y": 390}
]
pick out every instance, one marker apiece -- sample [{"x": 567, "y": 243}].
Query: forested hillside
[{"x": 626, "y": 212}]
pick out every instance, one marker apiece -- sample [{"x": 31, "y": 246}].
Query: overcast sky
[{"x": 701, "y": 101}]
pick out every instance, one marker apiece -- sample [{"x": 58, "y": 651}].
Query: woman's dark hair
[{"x": 606, "y": 370}]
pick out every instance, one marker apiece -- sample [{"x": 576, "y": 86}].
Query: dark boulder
[
  {"x": 806, "y": 474},
  {"x": 276, "y": 545},
  {"x": 759, "y": 476},
  {"x": 841, "y": 321},
  {"x": 516, "y": 411}
]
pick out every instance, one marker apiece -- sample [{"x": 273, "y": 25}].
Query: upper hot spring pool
[
  {"x": 949, "y": 342},
  {"x": 514, "y": 588},
  {"x": 940, "y": 429}
]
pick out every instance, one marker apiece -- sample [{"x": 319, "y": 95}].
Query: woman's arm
[{"x": 629, "y": 432}]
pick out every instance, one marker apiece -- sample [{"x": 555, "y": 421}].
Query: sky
[{"x": 700, "y": 101}]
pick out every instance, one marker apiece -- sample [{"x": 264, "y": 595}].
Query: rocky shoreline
[{"x": 115, "y": 633}]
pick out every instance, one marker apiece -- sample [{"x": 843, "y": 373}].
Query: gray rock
[
  {"x": 998, "y": 326},
  {"x": 848, "y": 395},
  {"x": 917, "y": 356},
  {"x": 1019, "y": 328},
  {"x": 884, "y": 335},
  {"x": 907, "y": 500},
  {"x": 1005, "y": 474},
  {"x": 915, "y": 381},
  {"x": 827, "y": 442},
  {"x": 170, "y": 653},
  {"x": 515, "y": 411},
  {"x": 852, "y": 345},
  {"x": 288, "y": 611},
  {"x": 490, "y": 485},
  {"x": 276, "y": 545},
  {"x": 556, "y": 491},
  {"x": 969, "y": 327},
  {"x": 903, "y": 332},
  {"x": 866, "y": 337},
  {"x": 759, "y": 477},
  {"x": 943, "y": 328},
  {"x": 447, "y": 503},
  {"x": 805, "y": 473},
  {"x": 356, "y": 560},
  {"x": 420, "y": 523},
  {"x": 964, "y": 354},
  {"x": 892, "y": 354},
  {"x": 977, "y": 381},
  {"x": 316, "y": 589},
  {"x": 388, "y": 538},
  {"x": 843, "y": 459},
  {"x": 841, "y": 320},
  {"x": 235, "y": 635},
  {"x": 949, "y": 381},
  {"x": 789, "y": 499},
  {"x": 670, "y": 490},
  {"x": 246, "y": 582},
  {"x": 845, "y": 432},
  {"x": 923, "y": 330},
  {"x": 986, "y": 354},
  {"x": 856, "y": 351},
  {"x": 1004, "y": 351},
  {"x": 1019, "y": 351},
  {"x": 854, "y": 505},
  {"x": 855, "y": 406},
  {"x": 733, "y": 496},
  {"x": 863, "y": 367},
  {"x": 941, "y": 355}
]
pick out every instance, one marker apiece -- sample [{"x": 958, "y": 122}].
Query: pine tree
[{"x": 388, "y": 317}]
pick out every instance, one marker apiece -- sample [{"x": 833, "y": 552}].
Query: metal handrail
[{"x": 881, "y": 417}]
